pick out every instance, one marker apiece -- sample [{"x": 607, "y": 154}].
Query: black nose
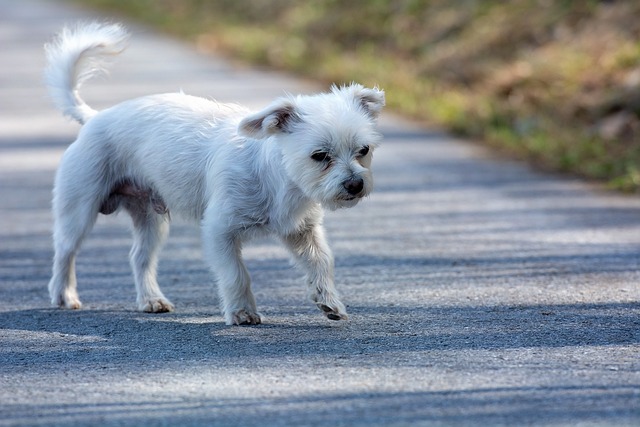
[{"x": 353, "y": 186}]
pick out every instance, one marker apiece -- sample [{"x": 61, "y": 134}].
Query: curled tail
[{"x": 76, "y": 55}]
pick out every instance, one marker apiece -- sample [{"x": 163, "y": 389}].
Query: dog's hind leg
[
  {"x": 73, "y": 220},
  {"x": 150, "y": 230}
]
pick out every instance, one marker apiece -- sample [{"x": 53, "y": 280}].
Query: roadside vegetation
[{"x": 554, "y": 82}]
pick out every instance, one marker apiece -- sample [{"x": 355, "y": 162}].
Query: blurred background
[{"x": 556, "y": 83}]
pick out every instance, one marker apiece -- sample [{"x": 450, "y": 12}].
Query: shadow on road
[{"x": 95, "y": 336}]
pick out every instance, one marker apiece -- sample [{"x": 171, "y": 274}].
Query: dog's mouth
[
  {"x": 348, "y": 200},
  {"x": 349, "y": 197},
  {"x": 342, "y": 202}
]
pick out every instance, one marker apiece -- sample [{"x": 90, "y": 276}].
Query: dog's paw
[
  {"x": 335, "y": 313},
  {"x": 156, "y": 305},
  {"x": 243, "y": 317},
  {"x": 71, "y": 302},
  {"x": 330, "y": 305}
]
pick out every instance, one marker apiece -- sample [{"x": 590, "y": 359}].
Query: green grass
[{"x": 553, "y": 82}]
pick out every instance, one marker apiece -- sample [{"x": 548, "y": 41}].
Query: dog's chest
[{"x": 285, "y": 219}]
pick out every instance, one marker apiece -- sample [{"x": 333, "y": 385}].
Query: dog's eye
[
  {"x": 321, "y": 156},
  {"x": 364, "y": 151}
]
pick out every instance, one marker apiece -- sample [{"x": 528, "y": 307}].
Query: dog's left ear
[
  {"x": 276, "y": 118},
  {"x": 371, "y": 100}
]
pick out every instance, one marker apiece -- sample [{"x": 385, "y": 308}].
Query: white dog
[{"x": 238, "y": 173}]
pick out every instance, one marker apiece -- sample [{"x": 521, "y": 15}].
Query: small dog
[{"x": 239, "y": 173}]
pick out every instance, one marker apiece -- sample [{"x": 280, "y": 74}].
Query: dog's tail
[{"x": 75, "y": 56}]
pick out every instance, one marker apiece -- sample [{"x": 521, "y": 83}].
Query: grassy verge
[{"x": 553, "y": 82}]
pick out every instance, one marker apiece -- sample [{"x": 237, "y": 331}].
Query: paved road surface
[{"x": 480, "y": 293}]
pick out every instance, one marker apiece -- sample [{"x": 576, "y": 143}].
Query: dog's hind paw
[
  {"x": 243, "y": 317},
  {"x": 156, "y": 305}
]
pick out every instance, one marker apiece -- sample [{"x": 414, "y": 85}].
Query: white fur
[{"x": 239, "y": 173}]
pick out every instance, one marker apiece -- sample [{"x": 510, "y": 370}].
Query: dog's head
[{"x": 327, "y": 141}]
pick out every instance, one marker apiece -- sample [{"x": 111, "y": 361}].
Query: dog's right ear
[{"x": 276, "y": 118}]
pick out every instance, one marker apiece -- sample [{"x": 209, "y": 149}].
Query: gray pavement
[{"x": 480, "y": 292}]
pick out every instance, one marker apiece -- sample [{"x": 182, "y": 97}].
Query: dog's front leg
[
  {"x": 223, "y": 252},
  {"x": 311, "y": 251}
]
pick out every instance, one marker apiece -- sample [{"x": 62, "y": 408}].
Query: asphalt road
[{"x": 480, "y": 292}]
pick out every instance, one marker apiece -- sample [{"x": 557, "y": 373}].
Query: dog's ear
[
  {"x": 276, "y": 118},
  {"x": 371, "y": 100}
]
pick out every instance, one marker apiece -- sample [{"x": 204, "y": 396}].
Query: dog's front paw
[
  {"x": 334, "y": 313},
  {"x": 156, "y": 305},
  {"x": 330, "y": 305},
  {"x": 243, "y": 317},
  {"x": 71, "y": 302}
]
